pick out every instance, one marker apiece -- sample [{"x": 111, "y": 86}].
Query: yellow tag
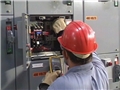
[{"x": 91, "y": 17}]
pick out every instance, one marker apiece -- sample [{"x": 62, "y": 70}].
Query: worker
[
  {"x": 58, "y": 27},
  {"x": 86, "y": 70}
]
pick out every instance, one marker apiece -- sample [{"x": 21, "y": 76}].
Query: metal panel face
[
  {"x": 49, "y": 7},
  {"x": 21, "y": 7},
  {"x": 7, "y": 60},
  {"x": 78, "y": 10},
  {"x": 112, "y": 56},
  {"x": 36, "y": 70},
  {"x": 104, "y": 19},
  {"x": 6, "y": 9},
  {"x": 21, "y": 75}
]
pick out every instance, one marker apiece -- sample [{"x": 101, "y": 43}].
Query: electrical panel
[
  {"x": 35, "y": 40},
  {"x": 39, "y": 39},
  {"x": 42, "y": 36}
]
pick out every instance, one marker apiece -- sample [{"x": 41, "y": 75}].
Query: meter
[{"x": 55, "y": 63}]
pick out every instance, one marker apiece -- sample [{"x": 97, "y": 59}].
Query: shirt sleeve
[
  {"x": 55, "y": 85},
  {"x": 66, "y": 83},
  {"x": 100, "y": 67},
  {"x": 59, "y": 84},
  {"x": 97, "y": 61}
]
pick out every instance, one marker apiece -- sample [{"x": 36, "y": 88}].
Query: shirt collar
[{"x": 86, "y": 67}]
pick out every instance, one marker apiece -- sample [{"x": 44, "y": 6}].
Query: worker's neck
[{"x": 70, "y": 64}]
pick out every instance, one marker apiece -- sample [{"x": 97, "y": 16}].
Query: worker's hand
[
  {"x": 59, "y": 25},
  {"x": 51, "y": 77}
]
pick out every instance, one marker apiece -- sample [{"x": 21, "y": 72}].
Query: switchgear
[
  {"x": 28, "y": 55},
  {"x": 42, "y": 41},
  {"x": 42, "y": 36}
]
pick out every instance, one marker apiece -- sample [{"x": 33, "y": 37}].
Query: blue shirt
[{"x": 91, "y": 76}]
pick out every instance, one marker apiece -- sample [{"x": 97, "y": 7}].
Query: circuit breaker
[
  {"x": 38, "y": 42},
  {"x": 37, "y": 32},
  {"x": 42, "y": 36}
]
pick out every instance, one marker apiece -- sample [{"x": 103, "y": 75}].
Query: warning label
[
  {"x": 37, "y": 74},
  {"x": 91, "y": 17}
]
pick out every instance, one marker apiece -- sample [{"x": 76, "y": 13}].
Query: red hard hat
[{"x": 78, "y": 38}]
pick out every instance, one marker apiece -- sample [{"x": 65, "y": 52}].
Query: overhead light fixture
[
  {"x": 91, "y": 0},
  {"x": 103, "y": 0}
]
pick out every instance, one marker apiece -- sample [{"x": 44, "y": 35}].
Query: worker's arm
[
  {"x": 97, "y": 61},
  {"x": 99, "y": 66},
  {"x": 58, "y": 27}
]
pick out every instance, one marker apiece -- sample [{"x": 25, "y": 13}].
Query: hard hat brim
[{"x": 62, "y": 44}]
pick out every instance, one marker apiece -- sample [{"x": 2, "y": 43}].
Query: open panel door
[{"x": 23, "y": 41}]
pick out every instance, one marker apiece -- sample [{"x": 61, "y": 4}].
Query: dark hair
[{"x": 77, "y": 60}]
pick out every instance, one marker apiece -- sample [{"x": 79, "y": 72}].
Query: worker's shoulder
[
  {"x": 59, "y": 84},
  {"x": 69, "y": 82},
  {"x": 66, "y": 82},
  {"x": 62, "y": 79}
]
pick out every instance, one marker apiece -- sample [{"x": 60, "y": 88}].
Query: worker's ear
[{"x": 65, "y": 54}]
